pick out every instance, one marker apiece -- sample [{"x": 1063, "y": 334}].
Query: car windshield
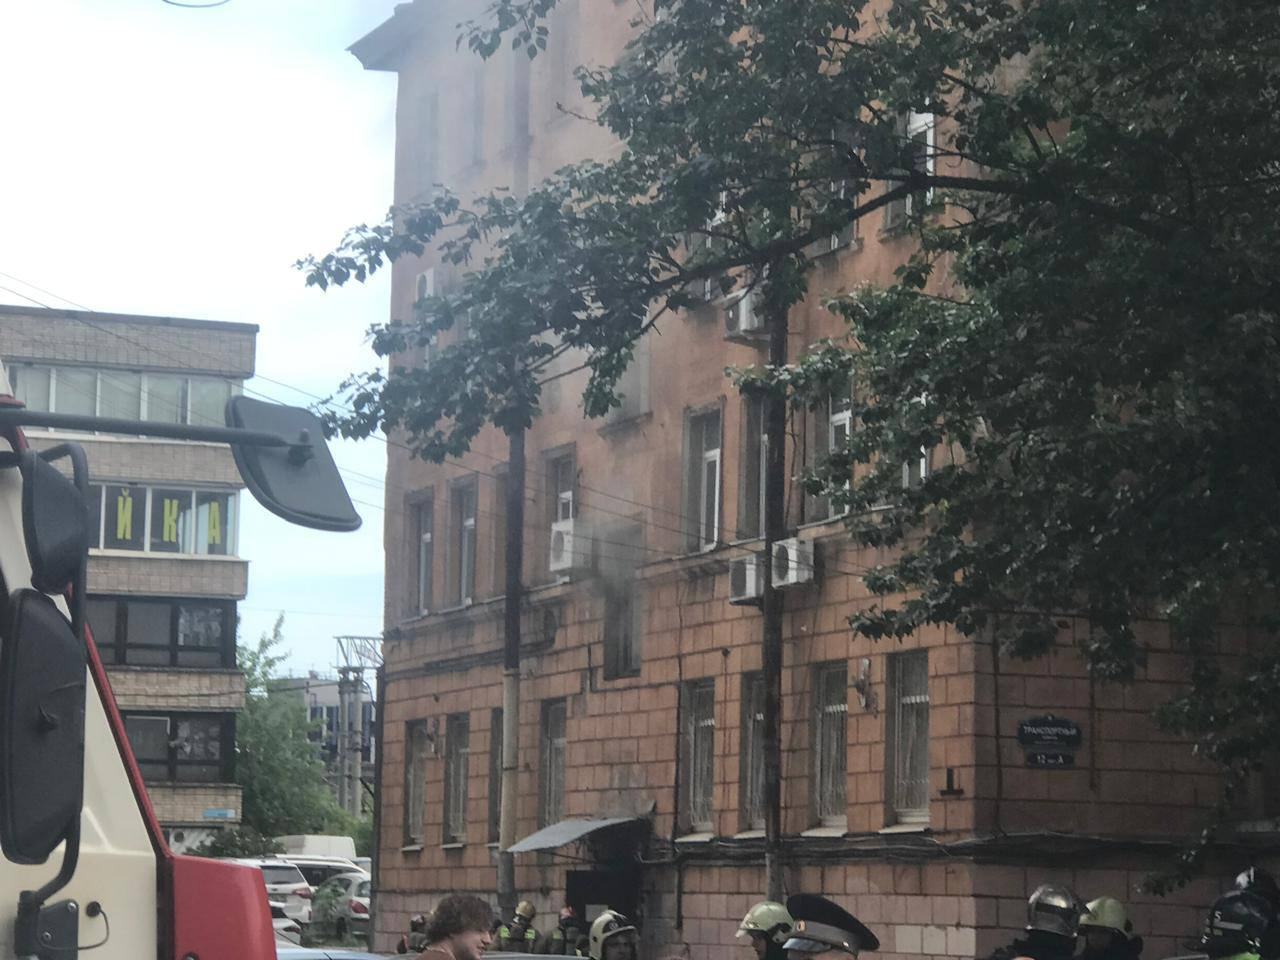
[
  {"x": 281, "y": 873},
  {"x": 363, "y": 889},
  {"x": 316, "y": 874}
]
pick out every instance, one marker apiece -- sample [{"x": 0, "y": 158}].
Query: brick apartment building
[
  {"x": 164, "y": 571},
  {"x": 927, "y": 784}
]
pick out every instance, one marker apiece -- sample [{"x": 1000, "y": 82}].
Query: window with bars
[
  {"x": 417, "y": 739},
  {"x": 754, "y": 464},
  {"x": 830, "y": 744},
  {"x": 463, "y": 555},
  {"x": 457, "y": 750},
  {"x": 907, "y": 766},
  {"x": 425, "y": 516},
  {"x": 495, "y": 773},
  {"x": 703, "y": 480},
  {"x": 698, "y": 754},
  {"x": 751, "y": 779},
  {"x": 551, "y": 762}
]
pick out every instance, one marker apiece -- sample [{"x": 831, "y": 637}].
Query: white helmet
[
  {"x": 609, "y": 924},
  {"x": 769, "y": 919}
]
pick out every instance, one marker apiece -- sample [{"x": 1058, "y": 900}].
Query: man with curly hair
[{"x": 458, "y": 929}]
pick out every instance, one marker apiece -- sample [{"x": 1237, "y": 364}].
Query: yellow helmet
[
  {"x": 524, "y": 910},
  {"x": 1106, "y": 913},
  {"x": 769, "y": 919}
]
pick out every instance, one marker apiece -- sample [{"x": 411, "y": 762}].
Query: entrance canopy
[{"x": 565, "y": 832}]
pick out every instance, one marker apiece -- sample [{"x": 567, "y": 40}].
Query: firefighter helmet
[
  {"x": 525, "y": 910},
  {"x": 1053, "y": 909},
  {"x": 769, "y": 919},
  {"x": 1259, "y": 881},
  {"x": 1106, "y": 913},
  {"x": 609, "y": 924}
]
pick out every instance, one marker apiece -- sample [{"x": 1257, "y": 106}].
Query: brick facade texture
[
  {"x": 177, "y": 688},
  {"x": 955, "y": 886},
  {"x": 184, "y": 804}
]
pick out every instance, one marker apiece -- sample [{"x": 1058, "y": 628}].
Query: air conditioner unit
[
  {"x": 568, "y": 546},
  {"x": 792, "y": 562},
  {"x": 746, "y": 581},
  {"x": 741, "y": 318}
]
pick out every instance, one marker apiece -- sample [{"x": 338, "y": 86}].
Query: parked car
[
  {"x": 285, "y": 884},
  {"x": 363, "y": 863},
  {"x": 318, "y": 869},
  {"x": 287, "y": 951},
  {"x": 341, "y": 904},
  {"x": 285, "y": 928}
]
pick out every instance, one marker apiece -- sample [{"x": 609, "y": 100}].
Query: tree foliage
[
  {"x": 1086, "y": 331},
  {"x": 276, "y": 762}
]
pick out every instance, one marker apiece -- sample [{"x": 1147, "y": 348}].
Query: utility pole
[
  {"x": 511, "y": 672},
  {"x": 340, "y": 739},
  {"x": 355, "y": 753},
  {"x": 772, "y": 602}
]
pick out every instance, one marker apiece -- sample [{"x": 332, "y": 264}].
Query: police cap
[{"x": 821, "y": 925}]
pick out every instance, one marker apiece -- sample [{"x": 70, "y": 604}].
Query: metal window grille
[
  {"x": 464, "y": 518},
  {"x": 752, "y": 778},
  {"x": 700, "y": 735},
  {"x": 495, "y": 772},
  {"x": 909, "y": 736},
  {"x": 457, "y": 752},
  {"x": 415, "y": 781},
  {"x": 831, "y": 748},
  {"x": 551, "y": 781},
  {"x": 426, "y": 535}
]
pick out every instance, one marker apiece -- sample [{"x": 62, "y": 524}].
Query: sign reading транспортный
[{"x": 1049, "y": 742}]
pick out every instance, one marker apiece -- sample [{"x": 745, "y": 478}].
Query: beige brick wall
[
  {"x": 173, "y": 688},
  {"x": 168, "y": 576},
  {"x": 139, "y": 343},
  {"x": 178, "y": 804},
  {"x": 156, "y": 461}
]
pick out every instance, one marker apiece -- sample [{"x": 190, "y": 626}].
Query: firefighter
[
  {"x": 518, "y": 936},
  {"x": 822, "y": 928},
  {"x": 1053, "y": 915},
  {"x": 1107, "y": 932},
  {"x": 767, "y": 925},
  {"x": 1259, "y": 881},
  {"x": 415, "y": 941},
  {"x": 1239, "y": 927},
  {"x": 564, "y": 940},
  {"x": 612, "y": 937}
]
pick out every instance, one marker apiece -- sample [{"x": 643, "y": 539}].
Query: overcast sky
[{"x": 162, "y": 160}]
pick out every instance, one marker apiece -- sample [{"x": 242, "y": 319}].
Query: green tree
[
  {"x": 1087, "y": 325},
  {"x": 276, "y": 762}
]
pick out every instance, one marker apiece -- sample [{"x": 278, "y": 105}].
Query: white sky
[{"x": 161, "y": 160}]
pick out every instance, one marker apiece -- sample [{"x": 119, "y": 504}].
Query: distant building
[
  {"x": 164, "y": 570},
  {"x": 321, "y": 695}
]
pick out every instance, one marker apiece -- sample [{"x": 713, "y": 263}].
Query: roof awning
[{"x": 565, "y": 832}]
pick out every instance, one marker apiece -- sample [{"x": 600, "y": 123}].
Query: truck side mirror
[
  {"x": 42, "y": 703},
  {"x": 55, "y": 522},
  {"x": 298, "y": 481}
]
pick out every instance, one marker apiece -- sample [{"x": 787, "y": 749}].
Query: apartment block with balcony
[
  {"x": 165, "y": 572},
  {"x": 927, "y": 784}
]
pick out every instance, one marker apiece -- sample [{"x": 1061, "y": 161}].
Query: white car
[
  {"x": 286, "y": 885},
  {"x": 318, "y": 869},
  {"x": 342, "y": 904}
]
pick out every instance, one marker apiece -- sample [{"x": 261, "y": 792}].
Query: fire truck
[{"x": 86, "y": 868}]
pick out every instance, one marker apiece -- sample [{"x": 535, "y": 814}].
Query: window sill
[
  {"x": 411, "y": 848},
  {"x": 705, "y": 837},
  {"x": 453, "y": 845},
  {"x": 161, "y": 555},
  {"x": 622, "y": 424},
  {"x": 749, "y": 835},
  {"x": 825, "y": 831},
  {"x": 921, "y": 826}
]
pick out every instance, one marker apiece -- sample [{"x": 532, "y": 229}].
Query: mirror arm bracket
[{"x": 51, "y": 931}]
